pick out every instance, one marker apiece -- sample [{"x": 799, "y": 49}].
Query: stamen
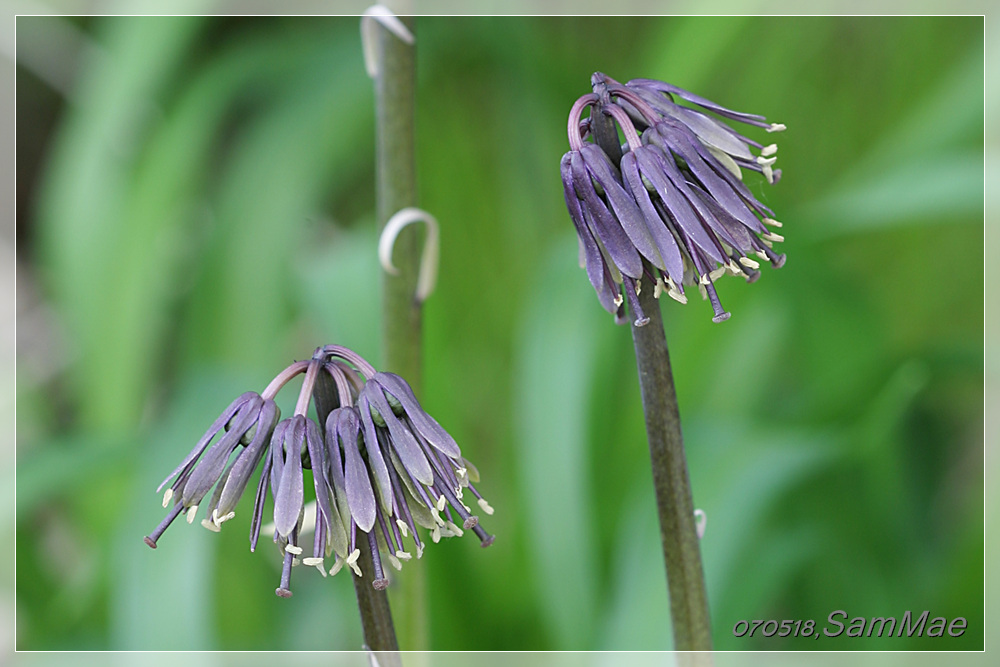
[
  {"x": 394, "y": 562},
  {"x": 219, "y": 520},
  {"x": 720, "y": 314},
  {"x": 151, "y": 539},
  {"x": 777, "y": 261},
  {"x": 749, "y": 263},
  {"x": 772, "y": 222},
  {"x": 191, "y": 512},
  {"x": 776, "y": 127},
  {"x": 769, "y": 150},
  {"x": 633, "y": 303},
  {"x": 436, "y": 534},
  {"x": 338, "y": 563},
  {"x": 420, "y": 551},
  {"x": 771, "y": 236},
  {"x": 455, "y": 529},
  {"x": 485, "y": 506},
  {"x": 441, "y": 503},
  {"x": 379, "y": 583},
  {"x": 167, "y": 496},
  {"x": 352, "y": 561},
  {"x": 715, "y": 274},
  {"x": 211, "y": 525},
  {"x": 283, "y": 590},
  {"x": 404, "y": 555},
  {"x": 403, "y": 528},
  {"x": 292, "y": 549},
  {"x": 485, "y": 538}
]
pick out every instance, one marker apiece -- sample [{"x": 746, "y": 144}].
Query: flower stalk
[{"x": 396, "y": 189}]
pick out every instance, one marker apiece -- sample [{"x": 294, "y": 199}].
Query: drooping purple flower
[
  {"x": 669, "y": 208},
  {"x": 380, "y": 467}
]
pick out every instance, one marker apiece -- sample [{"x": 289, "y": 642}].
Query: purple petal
[
  {"x": 750, "y": 119},
  {"x": 288, "y": 499},
  {"x": 425, "y": 425},
  {"x": 317, "y": 459},
  {"x": 249, "y": 458},
  {"x": 360, "y": 497},
  {"x": 376, "y": 461},
  {"x": 216, "y": 426},
  {"x": 673, "y": 262},
  {"x": 605, "y": 227},
  {"x": 625, "y": 208},
  {"x": 403, "y": 440},
  {"x": 669, "y": 183},
  {"x": 687, "y": 147},
  {"x": 596, "y": 266},
  {"x": 211, "y": 466}
]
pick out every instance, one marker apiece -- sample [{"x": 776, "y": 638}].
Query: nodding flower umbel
[
  {"x": 381, "y": 466},
  {"x": 670, "y": 204}
]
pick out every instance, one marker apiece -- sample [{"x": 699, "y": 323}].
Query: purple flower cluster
[
  {"x": 381, "y": 466},
  {"x": 670, "y": 204}
]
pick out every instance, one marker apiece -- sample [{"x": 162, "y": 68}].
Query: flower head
[
  {"x": 670, "y": 205},
  {"x": 380, "y": 466}
]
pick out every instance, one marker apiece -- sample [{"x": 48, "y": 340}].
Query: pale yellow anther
[
  {"x": 768, "y": 242},
  {"x": 352, "y": 561},
  {"x": 191, "y": 512},
  {"x": 734, "y": 268},
  {"x": 458, "y": 492},
  {"x": 658, "y": 289},
  {"x": 772, "y": 222},
  {"x": 420, "y": 551},
  {"x": 461, "y": 473},
  {"x": 312, "y": 561},
  {"x": 638, "y": 286},
  {"x": 485, "y": 505},
  {"x": 337, "y": 564},
  {"x": 211, "y": 525},
  {"x": 766, "y": 161},
  {"x": 436, "y": 534},
  {"x": 441, "y": 503},
  {"x": 403, "y": 527},
  {"x": 771, "y": 236},
  {"x": 749, "y": 263},
  {"x": 703, "y": 291},
  {"x": 167, "y": 496},
  {"x": 394, "y": 562},
  {"x": 219, "y": 520},
  {"x": 292, "y": 549},
  {"x": 403, "y": 555},
  {"x": 763, "y": 256},
  {"x": 455, "y": 529},
  {"x": 677, "y": 296},
  {"x": 618, "y": 300},
  {"x": 437, "y": 518},
  {"x": 769, "y": 150},
  {"x": 357, "y": 570},
  {"x": 777, "y": 127},
  {"x": 768, "y": 173},
  {"x": 715, "y": 274}
]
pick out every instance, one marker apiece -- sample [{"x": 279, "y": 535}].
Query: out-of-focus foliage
[{"x": 203, "y": 214}]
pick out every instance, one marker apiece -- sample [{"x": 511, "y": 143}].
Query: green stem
[
  {"x": 396, "y": 188},
  {"x": 674, "y": 504},
  {"x": 376, "y": 619}
]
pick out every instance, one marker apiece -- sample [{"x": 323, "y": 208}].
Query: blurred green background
[{"x": 195, "y": 211}]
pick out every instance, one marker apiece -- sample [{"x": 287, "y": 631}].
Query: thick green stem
[
  {"x": 681, "y": 550},
  {"x": 396, "y": 188},
  {"x": 376, "y": 620}
]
